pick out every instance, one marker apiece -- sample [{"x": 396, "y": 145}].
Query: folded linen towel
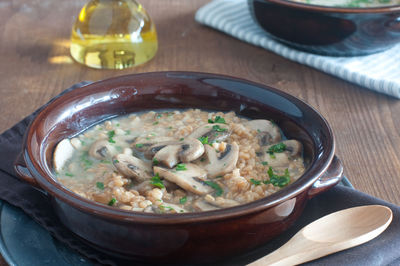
[{"x": 379, "y": 72}]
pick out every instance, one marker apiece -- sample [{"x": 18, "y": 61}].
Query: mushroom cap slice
[
  {"x": 191, "y": 149},
  {"x": 190, "y": 179},
  {"x": 167, "y": 156},
  {"x": 224, "y": 163},
  {"x": 293, "y": 149},
  {"x": 101, "y": 149},
  {"x": 171, "y": 152},
  {"x": 132, "y": 167},
  {"x": 215, "y": 132},
  {"x": 62, "y": 153},
  {"x": 142, "y": 144},
  {"x": 268, "y": 132},
  {"x": 201, "y": 205}
]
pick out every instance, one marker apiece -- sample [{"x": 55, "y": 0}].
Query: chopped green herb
[
  {"x": 69, "y": 174},
  {"x": 155, "y": 123},
  {"x": 258, "y": 130},
  {"x": 180, "y": 167},
  {"x": 112, "y": 202},
  {"x": 139, "y": 145},
  {"x": 127, "y": 132},
  {"x": 85, "y": 160},
  {"x": 219, "y": 129},
  {"x": 156, "y": 181},
  {"x": 100, "y": 185},
  {"x": 83, "y": 143},
  {"x": 183, "y": 200},
  {"x": 204, "y": 140},
  {"x": 117, "y": 124},
  {"x": 280, "y": 147},
  {"x": 279, "y": 180},
  {"x": 217, "y": 119},
  {"x": 155, "y": 161},
  {"x": 272, "y": 156},
  {"x": 218, "y": 189},
  {"x": 153, "y": 134},
  {"x": 169, "y": 127},
  {"x": 255, "y": 182},
  {"x": 219, "y": 176},
  {"x": 264, "y": 163},
  {"x": 147, "y": 138},
  {"x": 159, "y": 116},
  {"x": 202, "y": 159},
  {"x": 115, "y": 161},
  {"x": 111, "y": 134},
  {"x": 181, "y": 139},
  {"x": 118, "y": 148}
]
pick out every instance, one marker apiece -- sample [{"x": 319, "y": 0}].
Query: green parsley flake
[
  {"x": 264, "y": 163},
  {"x": 159, "y": 116},
  {"x": 255, "y": 182},
  {"x": 100, "y": 185},
  {"x": 139, "y": 145},
  {"x": 115, "y": 161},
  {"x": 112, "y": 202},
  {"x": 111, "y": 134},
  {"x": 279, "y": 180},
  {"x": 69, "y": 174},
  {"x": 183, "y": 200},
  {"x": 218, "y": 189},
  {"x": 127, "y": 132},
  {"x": 280, "y": 147},
  {"x": 155, "y": 123},
  {"x": 219, "y": 129},
  {"x": 204, "y": 140},
  {"x": 181, "y": 139},
  {"x": 217, "y": 119},
  {"x": 181, "y": 167},
  {"x": 155, "y": 161},
  {"x": 156, "y": 181}
]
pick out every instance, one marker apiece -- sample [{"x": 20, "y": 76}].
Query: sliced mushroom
[
  {"x": 268, "y": 132},
  {"x": 144, "y": 143},
  {"x": 201, "y": 205},
  {"x": 62, "y": 154},
  {"x": 190, "y": 179},
  {"x": 293, "y": 149},
  {"x": 167, "y": 156},
  {"x": 222, "y": 164},
  {"x": 133, "y": 167},
  {"x": 215, "y": 132},
  {"x": 171, "y": 152},
  {"x": 221, "y": 202},
  {"x": 169, "y": 207},
  {"x": 101, "y": 149}
]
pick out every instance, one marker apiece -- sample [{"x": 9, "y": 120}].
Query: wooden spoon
[{"x": 332, "y": 233}]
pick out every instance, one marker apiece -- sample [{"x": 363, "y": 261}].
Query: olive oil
[{"x": 113, "y": 34}]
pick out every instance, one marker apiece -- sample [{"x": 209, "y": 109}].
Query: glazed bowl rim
[
  {"x": 56, "y": 190},
  {"x": 328, "y": 9}
]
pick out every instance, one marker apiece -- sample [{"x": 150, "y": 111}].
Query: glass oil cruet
[{"x": 113, "y": 34}]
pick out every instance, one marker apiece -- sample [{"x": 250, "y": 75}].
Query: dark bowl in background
[
  {"x": 329, "y": 30},
  {"x": 190, "y": 237}
]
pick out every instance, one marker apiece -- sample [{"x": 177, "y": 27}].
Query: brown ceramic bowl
[
  {"x": 189, "y": 237},
  {"x": 329, "y": 30}
]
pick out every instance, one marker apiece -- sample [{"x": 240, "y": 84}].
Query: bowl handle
[
  {"x": 24, "y": 174},
  {"x": 330, "y": 178}
]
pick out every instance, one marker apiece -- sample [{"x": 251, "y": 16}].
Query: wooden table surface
[{"x": 35, "y": 65}]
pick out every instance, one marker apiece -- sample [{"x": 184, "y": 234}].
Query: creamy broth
[
  {"x": 351, "y": 3},
  {"x": 178, "y": 161}
]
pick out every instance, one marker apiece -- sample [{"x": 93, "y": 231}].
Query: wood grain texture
[{"x": 35, "y": 66}]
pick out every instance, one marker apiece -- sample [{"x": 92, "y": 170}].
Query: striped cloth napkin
[{"x": 379, "y": 72}]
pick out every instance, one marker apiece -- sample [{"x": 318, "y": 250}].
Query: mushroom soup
[{"x": 178, "y": 161}]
